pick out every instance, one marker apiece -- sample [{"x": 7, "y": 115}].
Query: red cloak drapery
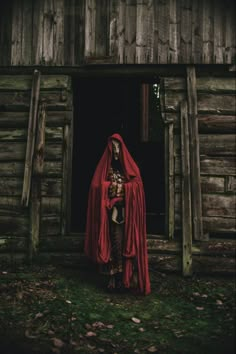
[{"x": 97, "y": 240}]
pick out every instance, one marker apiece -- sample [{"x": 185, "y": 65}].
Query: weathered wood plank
[
  {"x": 130, "y": 32},
  {"x": 16, "y": 169},
  {"x": 209, "y": 123},
  {"x": 31, "y": 137},
  {"x": 196, "y": 31},
  {"x": 213, "y": 144},
  {"x": 34, "y": 218},
  {"x": 207, "y": 84},
  {"x": 17, "y": 25},
  {"x": 161, "y": 31},
  {"x": 14, "y": 225},
  {"x": 39, "y": 151},
  {"x": 13, "y": 120},
  {"x": 218, "y": 205},
  {"x": 50, "y": 225},
  {"x": 187, "y": 234},
  {"x": 48, "y": 31},
  {"x": 37, "y": 43},
  {"x": 21, "y": 100},
  {"x": 207, "y": 32},
  {"x": 66, "y": 167},
  {"x": 230, "y": 184},
  {"x": 174, "y": 38},
  {"x": 214, "y": 166},
  {"x": 50, "y": 206},
  {"x": 6, "y": 32},
  {"x": 101, "y": 28},
  {"x": 90, "y": 28},
  {"x": 218, "y": 145},
  {"x": 208, "y": 184},
  {"x": 16, "y": 151},
  {"x": 141, "y": 32},
  {"x": 121, "y": 32},
  {"x": 218, "y": 39},
  {"x": 79, "y": 38},
  {"x": 69, "y": 32},
  {"x": 58, "y": 32},
  {"x": 75, "y": 244},
  {"x": 12, "y": 187},
  {"x": 194, "y": 154},
  {"x": 213, "y": 205},
  {"x": 113, "y": 18},
  {"x": 13, "y": 135},
  {"x": 219, "y": 224},
  {"x": 169, "y": 182},
  {"x": 216, "y": 103},
  {"x": 24, "y": 82},
  {"x": 27, "y": 27},
  {"x": 185, "y": 31},
  {"x": 172, "y": 101}
]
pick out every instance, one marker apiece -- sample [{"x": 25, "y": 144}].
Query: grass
[{"x": 67, "y": 310}]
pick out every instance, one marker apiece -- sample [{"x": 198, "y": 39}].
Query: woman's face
[{"x": 115, "y": 149}]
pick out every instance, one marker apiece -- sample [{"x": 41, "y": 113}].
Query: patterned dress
[{"x": 114, "y": 267}]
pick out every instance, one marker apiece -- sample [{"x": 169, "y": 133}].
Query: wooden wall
[
  {"x": 71, "y": 32},
  {"x": 14, "y": 115},
  {"x": 217, "y": 128}
]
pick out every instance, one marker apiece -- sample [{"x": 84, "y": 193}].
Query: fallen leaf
[
  {"x": 110, "y": 326},
  {"x": 219, "y": 302},
  {"x": 58, "y": 343},
  {"x": 199, "y": 308},
  {"x": 90, "y": 334},
  {"x": 28, "y": 335},
  {"x": 152, "y": 349},
  {"x": 135, "y": 320},
  {"x": 141, "y": 329},
  {"x": 38, "y": 315}
]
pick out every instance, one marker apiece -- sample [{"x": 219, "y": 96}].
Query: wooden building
[{"x": 160, "y": 72}]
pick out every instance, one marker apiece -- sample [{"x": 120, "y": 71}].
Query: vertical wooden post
[
  {"x": 31, "y": 138},
  {"x": 169, "y": 181},
  {"x": 35, "y": 200},
  {"x": 145, "y": 112},
  {"x": 186, "y": 193},
  {"x": 66, "y": 150},
  {"x": 169, "y": 168},
  {"x": 194, "y": 154}
]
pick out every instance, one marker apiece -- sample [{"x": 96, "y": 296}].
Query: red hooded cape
[{"x": 97, "y": 240}]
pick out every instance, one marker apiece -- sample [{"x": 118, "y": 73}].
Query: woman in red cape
[{"x": 98, "y": 243}]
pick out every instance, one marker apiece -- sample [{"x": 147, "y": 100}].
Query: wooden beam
[
  {"x": 40, "y": 141},
  {"x": 186, "y": 193},
  {"x": 194, "y": 154},
  {"x": 145, "y": 112},
  {"x": 31, "y": 138},
  {"x": 169, "y": 181},
  {"x": 66, "y": 167},
  {"x": 35, "y": 201}
]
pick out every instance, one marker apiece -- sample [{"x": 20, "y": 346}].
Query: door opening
[{"x": 103, "y": 107}]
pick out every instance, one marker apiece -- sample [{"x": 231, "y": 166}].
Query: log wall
[
  {"x": 14, "y": 116},
  {"x": 217, "y": 128},
  {"x": 70, "y": 32}
]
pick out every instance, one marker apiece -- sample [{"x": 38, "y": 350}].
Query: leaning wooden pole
[
  {"x": 186, "y": 193},
  {"x": 194, "y": 154},
  {"x": 31, "y": 138},
  {"x": 35, "y": 200}
]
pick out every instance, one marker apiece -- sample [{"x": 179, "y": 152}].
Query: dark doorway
[{"x": 101, "y": 108}]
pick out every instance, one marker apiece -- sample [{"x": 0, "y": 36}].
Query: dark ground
[{"x": 66, "y": 310}]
